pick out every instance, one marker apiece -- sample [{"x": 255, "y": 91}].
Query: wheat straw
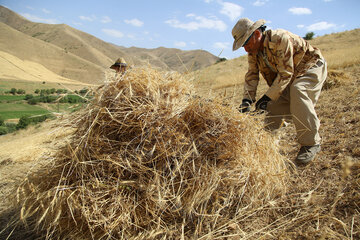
[{"x": 149, "y": 161}]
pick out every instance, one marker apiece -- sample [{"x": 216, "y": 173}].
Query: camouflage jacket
[{"x": 285, "y": 57}]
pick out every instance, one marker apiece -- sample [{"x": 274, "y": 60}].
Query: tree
[
  {"x": 37, "y": 91},
  {"x": 309, "y": 36},
  {"x": 3, "y": 130},
  {"x": 1, "y": 121},
  {"x": 20, "y": 91},
  {"x": 33, "y": 101},
  {"x": 13, "y": 91},
  {"x": 28, "y": 96},
  {"x": 24, "y": 121}
]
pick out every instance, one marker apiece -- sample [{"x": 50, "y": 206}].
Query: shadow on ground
[{"x": 11, "y": 229}]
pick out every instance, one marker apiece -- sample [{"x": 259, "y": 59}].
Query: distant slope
[
  {"x": 13, "y": 68},
  {"x": 48, "y": 55},
  {"x": 339, "y": 49},
  {"x": 172, "y": 58},
  {"x": 65, "y": 37},
  {"x": 102, "y": 53}
]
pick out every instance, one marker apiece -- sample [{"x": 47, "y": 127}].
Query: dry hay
[
  {"x": 334, "y": 79},
  {"x": 148, "y": 161}
]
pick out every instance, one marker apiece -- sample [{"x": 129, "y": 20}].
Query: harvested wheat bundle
[
  {"x": 148, "y": 161},
  {"x": 334, "y": 79}
]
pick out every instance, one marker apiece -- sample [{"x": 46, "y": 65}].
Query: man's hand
[
  {"x": 245, "y": 106},
  {"x": 261, "y": 105}
]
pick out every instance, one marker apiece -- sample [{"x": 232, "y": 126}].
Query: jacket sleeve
[
  {"x": 283, "y": 52},
  {"x": 251, "y": 79}
]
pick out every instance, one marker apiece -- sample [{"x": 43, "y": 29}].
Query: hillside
[
  {"x": 13, "y": 68},
  {"x": 48, "y": 55},
  {"x": 101, "y": 53},
  {"x": 172, "y": 58}
]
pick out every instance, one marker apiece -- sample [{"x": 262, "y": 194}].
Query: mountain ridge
[{"x": 94, "y": 50}]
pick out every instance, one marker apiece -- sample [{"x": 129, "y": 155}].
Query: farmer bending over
[{"x": 294, "y": 71}]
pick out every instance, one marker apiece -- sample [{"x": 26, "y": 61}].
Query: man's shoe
[{"x": 307, "y": 154}]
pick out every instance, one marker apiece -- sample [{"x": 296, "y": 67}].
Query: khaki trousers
[{"x": 297, "y": 102}]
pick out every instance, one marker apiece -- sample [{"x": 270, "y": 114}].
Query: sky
[{"x": 188, "y": 24}]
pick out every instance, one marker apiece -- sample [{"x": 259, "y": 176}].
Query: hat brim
[
  {"x": 240, "y": 41},
  {"x": 118, "y": 65}
]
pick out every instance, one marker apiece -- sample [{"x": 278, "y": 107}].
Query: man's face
[
  {"x": 117, "y": 69},
  {"x": 253, "y": 45},
  {"x": 120, "y": 69}
]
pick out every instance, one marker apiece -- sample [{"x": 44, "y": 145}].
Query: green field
[
  {"x": 17, "y": 110},
  {"x": 65, "y": 107},
  {"x": 11, "y": 97},
  {"x": 30, "y": 87}
]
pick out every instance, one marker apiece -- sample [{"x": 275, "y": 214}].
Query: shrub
[
  {"x": 24, "y": 121},
  {"x": 37, "y": 91},
  {"x": 20, "y": 91},
  {"x": 83, "y": 91},
  {"x": 3, "y": 130},
  {"x": 42, "y": 98},
  {"x": 72, "y": 99},
  {"x": 59, "y": 91},
  {"x": 33, "y": 101},
  {"x": 11, "y": 127},
  {"x": 309, "y": 36},
  {"x": 221, "y": 60},
  {"x": 27, "y": 120},
  {"x": 28, "y": 96},
  {"x": 38, "y": 119},
  {"x": 13, "y": 91},
  {"x": 49, "y": 99},
  {"x": 1, "y": 121}
]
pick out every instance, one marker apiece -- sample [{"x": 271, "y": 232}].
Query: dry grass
[
  {"x": 340, "y": 50},
  {"x": 149, "y": 161}
]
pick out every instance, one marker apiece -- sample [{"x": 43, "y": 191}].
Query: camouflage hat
[
  {"x": 243, "y": 30},
  {"x": 119, "y": 62}
]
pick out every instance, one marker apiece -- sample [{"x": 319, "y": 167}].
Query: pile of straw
[
  {"x": 334, "y": 79},
  {"x": 149, "y": 161}
]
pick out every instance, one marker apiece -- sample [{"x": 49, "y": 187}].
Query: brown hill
[
  {"x": 172, "y": 58},
  {"x": 102, "y": 53},
  {"x": 55, "y": 59}
]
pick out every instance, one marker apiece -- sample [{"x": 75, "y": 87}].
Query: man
[
  {"x": 294, "y": 71},
  {"x": 119, "y": 66}
]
